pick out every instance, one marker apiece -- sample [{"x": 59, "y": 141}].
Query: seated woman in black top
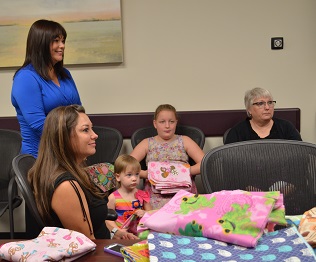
[
  {"x": 260, "y": 122},
  {"x": 64, "y": 194}
]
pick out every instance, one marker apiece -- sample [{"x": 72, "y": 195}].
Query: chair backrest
[
  {"x": 109, "y": 144},
  {"x": 225, "y": 135},
  {"x": 10, "y": 146},
  {"x": 264, "y": 165},
  {"x": 34, "y": 223},
  {"x": 195, "y": 133},
  {"x": 21, "y": 165}
]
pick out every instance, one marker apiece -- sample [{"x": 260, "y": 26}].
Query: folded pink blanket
[
  {"x": 52, "y": 244},
  {"x": 237, "y": 217},
  {"x": 169, "y": 177}
]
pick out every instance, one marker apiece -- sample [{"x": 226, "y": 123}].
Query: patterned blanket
[
  {"x": 169, "y": 177},
  {"x": 236, "y": 217},
  {"x": 283, "y": 245},
  {"x": 52, "y": 244}
]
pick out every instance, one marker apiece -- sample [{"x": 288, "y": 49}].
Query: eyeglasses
[{"x": 263, "y": 104}]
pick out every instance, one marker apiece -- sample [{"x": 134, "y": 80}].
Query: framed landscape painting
[{"x": 94, "y": 29}]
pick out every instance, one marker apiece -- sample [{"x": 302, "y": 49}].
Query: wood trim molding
[{"x": 213, "y": 123}]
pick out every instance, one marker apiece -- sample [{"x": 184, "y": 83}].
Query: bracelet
[{"x": 113, "y": 231}]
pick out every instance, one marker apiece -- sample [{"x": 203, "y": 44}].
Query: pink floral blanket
[
  {"x": 52, "y": 244},
  {"x": 237, "y": 217},
  {"x": 169, "y": 177}
]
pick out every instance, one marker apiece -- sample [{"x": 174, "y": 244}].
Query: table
[{"x": 98, "y": 254}]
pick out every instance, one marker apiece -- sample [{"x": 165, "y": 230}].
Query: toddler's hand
[
  {"x": 140, "y": 212},
  {"x": 129, "y": 236},
  {"x": 123, "y": 234}
]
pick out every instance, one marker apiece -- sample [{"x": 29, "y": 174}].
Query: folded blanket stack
[
  {"x": 283, "y": 245},
  {"x": 169, "y": 177},
  {"x": 237, "y": 217},
  {"x": 53, "y": 244}
]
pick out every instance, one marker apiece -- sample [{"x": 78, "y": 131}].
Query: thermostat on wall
[{"x": 277, "y": 43}]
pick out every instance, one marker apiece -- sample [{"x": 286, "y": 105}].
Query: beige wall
[{"x": 203, "y": 55}]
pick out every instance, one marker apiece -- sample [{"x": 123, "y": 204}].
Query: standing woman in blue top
[{"x": 41, "y": 83}]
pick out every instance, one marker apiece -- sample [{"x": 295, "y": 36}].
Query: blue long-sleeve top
[{"x": 33, "y": 98}]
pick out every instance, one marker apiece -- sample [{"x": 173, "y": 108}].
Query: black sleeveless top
[{"x": 97, "y": 207}]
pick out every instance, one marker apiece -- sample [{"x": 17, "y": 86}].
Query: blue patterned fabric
[
  {"x": 293, "y": 220},
  {"x": 283, "y": 245}
]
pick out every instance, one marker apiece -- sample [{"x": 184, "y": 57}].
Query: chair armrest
[{"x": 112, "y": 215}]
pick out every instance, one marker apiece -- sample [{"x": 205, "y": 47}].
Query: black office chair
[
  {"x": 195, "y": 133},
  {"x": 21, "y": 165},
  {"x": 10, "y": 146},
  {"x": 34, "y": 223},
  {"x": 225, "y": 135},
  {"x": 109, "y": 144},
  {"x": 265, "y": 165}
]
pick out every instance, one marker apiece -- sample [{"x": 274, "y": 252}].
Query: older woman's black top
[
  {"x": 281, "y": 129},
  {"x": 97, "y": 207}
]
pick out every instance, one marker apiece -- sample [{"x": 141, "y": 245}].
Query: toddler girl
[{"x": 129, "y": 202}]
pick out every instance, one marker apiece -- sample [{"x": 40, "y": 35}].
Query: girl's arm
[
  {"x": 141, "y": 212},
  {"x": 144, "y": 195},
  {"x": 66, "y": 204},
  {"x": 140, "y": 152},
  {"x": 147, "y": 206},
  {"x": 195, "y": 152}
]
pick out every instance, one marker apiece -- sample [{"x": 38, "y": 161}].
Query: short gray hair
[{"x": 255, "y": 93}]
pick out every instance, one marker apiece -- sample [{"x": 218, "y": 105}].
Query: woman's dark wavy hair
[{"x": 40, "y": 36}]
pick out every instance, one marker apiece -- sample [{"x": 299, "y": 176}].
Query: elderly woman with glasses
[{"x": 260, "y": 122}]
